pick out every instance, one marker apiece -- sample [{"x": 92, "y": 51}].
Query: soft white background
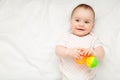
[{"x": 29, "y": 30}]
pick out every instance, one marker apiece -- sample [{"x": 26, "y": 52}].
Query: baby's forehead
[
  {"x": 84, "y": 9},
  {"x": 80, "y": 11}
]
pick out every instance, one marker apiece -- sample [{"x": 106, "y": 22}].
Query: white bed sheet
[{"x": 29, "y": 30}]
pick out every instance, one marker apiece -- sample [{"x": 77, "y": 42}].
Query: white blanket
[{"x": 29, "y": 30}]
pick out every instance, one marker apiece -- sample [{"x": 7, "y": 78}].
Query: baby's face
[{"x": 82, "y": 21}]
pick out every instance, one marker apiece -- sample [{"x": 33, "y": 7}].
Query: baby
[{"x": 80, "y": 41}]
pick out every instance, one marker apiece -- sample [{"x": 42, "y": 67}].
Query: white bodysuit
[{"x": 69, "y": 68}]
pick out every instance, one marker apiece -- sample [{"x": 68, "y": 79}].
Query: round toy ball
[{"x": 91, "y": 62}]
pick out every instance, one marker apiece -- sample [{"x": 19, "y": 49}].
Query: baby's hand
[
  {"x": 74, "y": 53},
  {"x": 86, "y": 52}
]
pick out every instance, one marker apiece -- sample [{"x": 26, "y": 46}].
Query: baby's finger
[
  {"x": 86, "y": 53},
  {"x": 78, "y": 51},
  {"x": 89, "y": 53},
  {"x": 81, "y": 53},
  {"x": 76, "y": 56}
]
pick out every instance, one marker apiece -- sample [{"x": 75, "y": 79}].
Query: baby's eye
[
  {"x": 77, "y": 20},
  {"x": 86, "y": 21}
]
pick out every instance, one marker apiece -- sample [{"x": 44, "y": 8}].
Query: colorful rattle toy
[{"x": 90, "y": 61}]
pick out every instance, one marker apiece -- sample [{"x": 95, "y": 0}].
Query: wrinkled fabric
[{"x": 29, "y": 30}]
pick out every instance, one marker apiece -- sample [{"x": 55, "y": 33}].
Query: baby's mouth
[{"x": 81, "y": 29}]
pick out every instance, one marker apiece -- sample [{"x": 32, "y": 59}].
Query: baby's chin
[{"x": 81, "y": 34}]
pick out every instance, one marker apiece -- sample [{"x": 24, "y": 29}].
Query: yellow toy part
[{"x": 91, "y": 62}]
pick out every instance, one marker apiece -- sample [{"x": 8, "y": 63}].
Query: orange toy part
[{"x": 82, "y": 61}]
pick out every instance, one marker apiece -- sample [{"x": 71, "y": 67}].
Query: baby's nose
[{"x": 81, "y": 24}]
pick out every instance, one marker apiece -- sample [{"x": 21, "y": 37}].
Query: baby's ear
[{"x": 93, "y": 24}]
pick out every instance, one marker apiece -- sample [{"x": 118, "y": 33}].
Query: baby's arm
[
  {"x": 99, "y": 52},
  {"x": 62, "y": 51}
]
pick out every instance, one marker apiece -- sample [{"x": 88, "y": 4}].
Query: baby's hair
[{"x": 85, "y": 6}]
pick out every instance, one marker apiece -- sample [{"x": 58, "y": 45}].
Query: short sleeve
[
  {"x": 62, "y": 40},
  {"x": 97, "y": 43}
]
